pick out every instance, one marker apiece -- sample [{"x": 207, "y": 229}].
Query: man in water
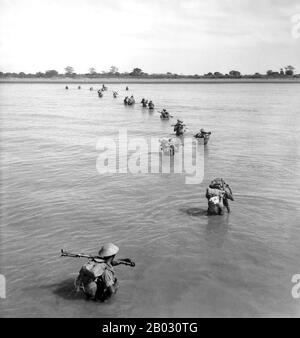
[
  {"x": 151, "y": 105},
  {"x": 215, "y": 199},
  {"x": 169, "y": 145},
  {"x": 103, "y": 284},
  {"x": 165, "y": 114},
  {"x": 179, "y": 127},
  {"x": 172, "y": 147},
  {"x": 131, "y": 100},
  {"x": 218, "y": 188},
  {"x": 202, "y": 133},
  {"x": 205, "y": 135},
  {"x": 144, "y": 103}
]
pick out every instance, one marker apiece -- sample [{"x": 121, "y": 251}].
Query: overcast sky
[{"x": 180, "y": 36}]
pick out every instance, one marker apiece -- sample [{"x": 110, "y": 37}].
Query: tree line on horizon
[{"x": 288, "y": 71}]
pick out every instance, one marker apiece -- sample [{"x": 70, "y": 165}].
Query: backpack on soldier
[
  {"x": 91, "y": 271},
  {"x": 219, "y": 183}
]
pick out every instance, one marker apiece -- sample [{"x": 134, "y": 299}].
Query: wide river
[{"x": 187, "y": 264}]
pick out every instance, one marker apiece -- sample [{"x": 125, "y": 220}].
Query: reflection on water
[
  {"x": 187, "y": 264},
  {"x": 196, "y": 211},
  {"x": 66, "y": 290},
  {"x": 217, "y": 229}
]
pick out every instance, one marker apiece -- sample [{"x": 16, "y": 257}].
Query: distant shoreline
[{"x": 67, "y": 81}]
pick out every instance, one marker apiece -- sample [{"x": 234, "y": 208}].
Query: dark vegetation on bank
[{"x": 283, "y": 73}]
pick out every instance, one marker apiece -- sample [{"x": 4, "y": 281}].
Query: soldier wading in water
[
  {"x": 97, "y": 278},
  {"x": 218, "y": 193}
]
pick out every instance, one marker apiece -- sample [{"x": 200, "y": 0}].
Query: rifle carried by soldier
[{"x": 98, "y": 259}]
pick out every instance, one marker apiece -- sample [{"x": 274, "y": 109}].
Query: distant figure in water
[
  {"x": 179, "y": 128},
  {"x": 67, "y": 87},
  {"x": 131, "y": 100},
  {"x": 144, "y": 103},
  {"x": 127, "y": 88},
  {"x": 169, "y": 145},
  {"x": 126, "y": 100},
  {"x": 218, "y": 193},
  {"x": 203, "y": 134},
  {"x": 115, "y": 94},
  {"x": 79, "y": 87},
  {"x": 164, "y": 114},
  {"x": 91, "y": 88},
  {"x": 151, "y": 105}
]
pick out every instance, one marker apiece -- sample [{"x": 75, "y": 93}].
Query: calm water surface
[{"x": 187, "y": 264}]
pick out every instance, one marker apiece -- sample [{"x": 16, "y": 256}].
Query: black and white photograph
[{"x": 150, "y": 160}]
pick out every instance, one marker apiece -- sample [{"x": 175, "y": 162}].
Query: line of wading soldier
[
  {"x": 96, "y": 278},
  {"x": 218, "y": 193}
]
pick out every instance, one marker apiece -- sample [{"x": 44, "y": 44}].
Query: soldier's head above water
[{"x": 108, "y": 251}]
